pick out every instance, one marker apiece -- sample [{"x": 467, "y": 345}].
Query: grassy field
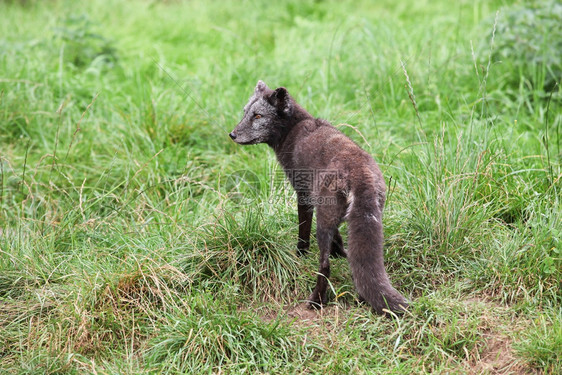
[{"x": 136, "y": 237}]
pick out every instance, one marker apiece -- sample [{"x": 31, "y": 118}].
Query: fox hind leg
[
  {"x": 318, "y": 298},
  {"x": 328, "y": 218}
]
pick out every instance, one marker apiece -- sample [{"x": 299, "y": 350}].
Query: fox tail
[{"x": 365, "y": 251}]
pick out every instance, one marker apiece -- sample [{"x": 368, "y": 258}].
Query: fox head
[{"x": 266, "y": 116}]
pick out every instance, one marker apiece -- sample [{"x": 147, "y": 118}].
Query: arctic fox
[{"x": 334, "y": 175}]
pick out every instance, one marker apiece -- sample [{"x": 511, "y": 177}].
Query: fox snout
[
  {"x": 244, "y": 136},
  {"x": 238, "y": 138}
]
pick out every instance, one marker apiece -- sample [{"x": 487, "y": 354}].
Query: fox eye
[{"x": 256, "y": 117}]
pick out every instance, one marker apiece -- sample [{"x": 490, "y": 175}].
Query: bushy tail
[{"x": 365, "y": 252}]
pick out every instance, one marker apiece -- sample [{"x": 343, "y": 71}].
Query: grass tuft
[{"x": 244, "y": 249}]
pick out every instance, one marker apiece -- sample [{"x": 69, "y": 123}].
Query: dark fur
[{"x": 356, "y": 191}]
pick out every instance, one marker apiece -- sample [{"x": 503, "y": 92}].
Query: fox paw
[
  {"x": 317, "y": 300},
  {"x": 398, "y": 305},
  {"x": 302, "y": 249}
]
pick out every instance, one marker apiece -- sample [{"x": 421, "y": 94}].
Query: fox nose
[{"x": 232, "y": 135}]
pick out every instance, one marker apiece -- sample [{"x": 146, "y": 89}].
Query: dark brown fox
[{"x": 334, "y": 175}]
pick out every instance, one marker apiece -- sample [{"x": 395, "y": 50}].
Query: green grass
[{"x": 135, "y": 237}]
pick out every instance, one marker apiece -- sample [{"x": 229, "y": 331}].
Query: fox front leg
[{"x": 305, "y": 211}]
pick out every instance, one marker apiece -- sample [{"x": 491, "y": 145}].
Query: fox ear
[
  {"x": 260, "y": 87},
  {"x": 281, "y": 100}
]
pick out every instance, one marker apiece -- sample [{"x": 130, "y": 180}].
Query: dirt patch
[
  {"x": 303, "y": 313},
  {"x": 497, "y": 357}
]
